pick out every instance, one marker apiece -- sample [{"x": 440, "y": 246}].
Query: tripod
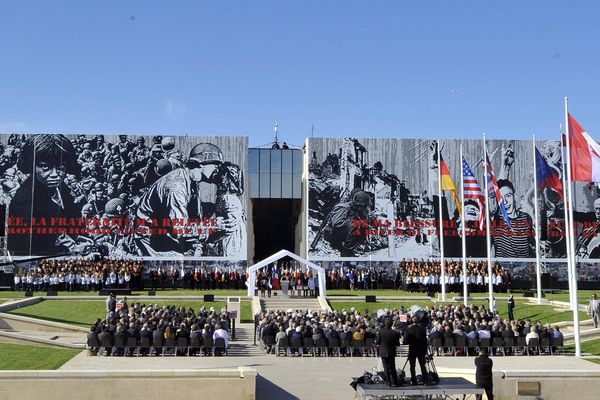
[{"x": 431, "y": 371}]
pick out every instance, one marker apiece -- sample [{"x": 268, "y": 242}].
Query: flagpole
[
  {"x": 487, "y": 227},
  {"x": 537, "y": 230},
  {"x": 464, "y": 238},
  {"x": 441, "y": 224},
  {"x": 566, "y": 227},
  {"x": 570, "y": 236}
]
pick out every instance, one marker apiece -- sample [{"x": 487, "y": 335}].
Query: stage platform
[{"x": 445, "y": 389}]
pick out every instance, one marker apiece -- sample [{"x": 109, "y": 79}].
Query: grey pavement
[{"x": 308, "y": 377}]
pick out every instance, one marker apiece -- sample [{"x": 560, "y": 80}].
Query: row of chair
[
  {"x": 321, "y": 347},
  {"x": 498, "y": 345},
  {"x": 458, "y": 346},
  {"x": 131, "y": 346}
]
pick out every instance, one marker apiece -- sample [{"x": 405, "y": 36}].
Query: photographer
[{"x": 416, "y": 339}]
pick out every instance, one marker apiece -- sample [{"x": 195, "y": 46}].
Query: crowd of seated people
[
  {"x": 452, "y": 329},
  {"x": 78, "y": 274},
  {"x": 152, "y": 330}
]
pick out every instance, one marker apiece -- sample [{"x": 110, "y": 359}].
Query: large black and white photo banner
[{"x": 125, "y": 196}]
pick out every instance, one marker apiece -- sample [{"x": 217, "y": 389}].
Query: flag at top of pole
[
  {"x": 472, "y": 190},
  {"x": 494, "y": 191},
  {"x": 587, "y": 153},
  {"x": 546, "y": 176},
  {"x": 448, "y": 183}
]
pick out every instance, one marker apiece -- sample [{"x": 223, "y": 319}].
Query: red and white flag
[{"x": 585, "y": 153}]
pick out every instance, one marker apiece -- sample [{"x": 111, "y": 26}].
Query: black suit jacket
[
  {"x": 388, "y": 340},
  {"x": 416, "y": 339},
  {"x": 483, "y": 373}
]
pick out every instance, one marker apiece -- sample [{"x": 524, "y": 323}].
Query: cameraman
[
  {"x": 388, "y": 340},
  {"x": 416, "y": 338}
]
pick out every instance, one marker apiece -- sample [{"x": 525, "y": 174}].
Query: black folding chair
[
  {"x": 473, "y": 345},
  {"x": 195, "y": 345},
  {"x": 333, "y": 344},
  {"x": 345, "y": 345},
  {"x": 545, "y": 345},
  {"x": 436, "y": 345},
  {"x": 509, "y": 344},
  {"x": 182, "y": 345},
  {"x": 144, "y": 345},
  {"x": 485, "y": 343},
  {"x": 534, "y": 346},
  {"x": 220, "y": 347},
  {"x": 309, "y": 346},
  {"x": 269, "y": 342},
  {"x": 498, "y": 345},
  {"x": 157, "y": 346},
  {"x": 169, "y": 346},
  {"x": 449, "y": 346},
  {"x": 296, "y": 344},
  {"x": 93, "y": 345},
  {"x": 282, "y": 346},
  {"x": 521, "y": 346},
  {"x": 119, "y": 346},
  {"x": 359, "y": 346},
  {"x": 132, "y": 346},
  {"x": 321, "y": 346},
  {"x": 557, "y": 343},
  {"x": 460, "y": 343},
  {"x": 370, "y": 347},
  {"x": 207, "y": 346}
]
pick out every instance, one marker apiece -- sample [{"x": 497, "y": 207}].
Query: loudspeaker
[
  {"x": 209, "y": 297},
  {"x": 371, "y": 299},
  {"x": 528, "y": 293},
  {"x": 151, "y": 292},
  {"x": 51, "y": 293},
  {"x": 29, "y": 293}
]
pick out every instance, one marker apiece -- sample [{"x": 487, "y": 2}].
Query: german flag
[{"x": 448, "y": 183}]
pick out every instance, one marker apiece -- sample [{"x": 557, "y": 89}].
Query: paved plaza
[{"x": 308, "y": 377}]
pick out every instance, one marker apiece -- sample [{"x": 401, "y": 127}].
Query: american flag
[
  {"x": 494, "y": 191},
  {"x": 472, "y": 190}
]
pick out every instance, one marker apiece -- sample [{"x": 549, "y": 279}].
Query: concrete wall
[
  {"x": 147, "y": 385},
  {"x": 19, "y": 323},
  {"x": 13, "y": 305},
  {"x": 554, "y": 385}
]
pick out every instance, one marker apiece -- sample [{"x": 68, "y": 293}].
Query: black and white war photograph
[
  {"x": 370, "y": 197},
  {"x": 125, "y": 196}
]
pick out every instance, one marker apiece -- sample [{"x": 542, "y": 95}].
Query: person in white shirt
[
  {"x": 221, "y": 333},
  {"x": 17, "y": 280},
  {"x": 532, "y": 335},
  {"x": 484, "y": 332},
  {"x": 594, "y": 310}
]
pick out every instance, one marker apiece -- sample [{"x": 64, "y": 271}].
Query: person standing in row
[{"x": 511, "y": 306}]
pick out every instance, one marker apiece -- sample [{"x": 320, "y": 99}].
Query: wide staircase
[
  {"x": 243, "y": 345},
  {"x": 289, "y": 303}
]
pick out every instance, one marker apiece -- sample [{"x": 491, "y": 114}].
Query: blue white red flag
[{"x": 494, "y": 191}]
